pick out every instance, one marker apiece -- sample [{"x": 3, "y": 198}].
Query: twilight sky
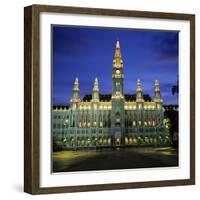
[{"x": 86, "y": 53}]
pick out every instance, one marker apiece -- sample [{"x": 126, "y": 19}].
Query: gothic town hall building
[{"x": 117, "y": 119}]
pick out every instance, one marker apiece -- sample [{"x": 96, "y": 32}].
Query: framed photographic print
[{"x": 109, "y": 99}]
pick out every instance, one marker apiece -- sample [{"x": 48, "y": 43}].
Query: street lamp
[
  {"x": 96, "y": 143},
  {"x": 88, "y": 141},
  {"x": 65, "y": 125},
  {"x": 72, "y": 142}
]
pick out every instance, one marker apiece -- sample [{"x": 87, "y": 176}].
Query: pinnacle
[
  {"x": 156, "y": 82},
  {"x": 117, "y": 44},
  {"x": 76, "y": 80}
]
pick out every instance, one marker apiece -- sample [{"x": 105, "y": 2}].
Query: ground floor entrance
[{"x": 117, "y": 142}]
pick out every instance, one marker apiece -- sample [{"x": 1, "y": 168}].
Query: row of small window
[
  {"x": 102, "y": 124},
  {"x": 143, "y": 129},
  {"x": 100, "y": 107},
  {"x": 107, "y": 124},
  {"x": 92, "y": 131},
  {"x": 59, "y": 126},
  {"x": 142, "y": 123},
  {"x": 150, "y": 107},
  {"x": 60, "y": 117},
  {"x": 84, "y": 125}
]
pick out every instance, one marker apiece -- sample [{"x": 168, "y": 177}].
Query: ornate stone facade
[{"x": 117, "y": 119}]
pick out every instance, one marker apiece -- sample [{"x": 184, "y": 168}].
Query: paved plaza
[{"x": 110, "y": 159}]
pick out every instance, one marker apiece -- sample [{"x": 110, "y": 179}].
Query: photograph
[{"x": 114, "y": 98}]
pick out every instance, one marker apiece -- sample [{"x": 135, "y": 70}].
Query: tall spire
[
  {"x": 117, "y": 61},
  {"x": 157, "y": 95},
  {"x": 139, "y": 96},
  {"x": 95, "y": 95},
  {"x": 118, "y": 74},
  {"x": 76, "y": 97}
]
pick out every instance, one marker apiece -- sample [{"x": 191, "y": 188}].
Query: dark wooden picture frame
[{"x": 32, "y": 93}]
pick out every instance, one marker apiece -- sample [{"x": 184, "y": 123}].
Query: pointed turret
[
  {"x": 117, "y": 61},
  {"x": 95, "y": 95},
  {"x": 139, "y": 96},
  {"x": 75, "y": 97},
  {"x": 157, "y": 95}
]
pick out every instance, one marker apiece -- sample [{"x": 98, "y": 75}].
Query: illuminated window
[
  {"x": 154, "y": 123},
  {"x": 150, "y": 123},
  {"x": 95, "y": 106},
  {"x": 126, "y": 140},
  {"x": 139, "y": 122},
  {"x": 117, "y": 87},
  {"x": 74, "y": 106},
  {"x": 80, "y": 124},
  {"x": 118, "y": 120},
  {"x": 94, "y": 123},
  {"x": 145, "y": 123},
  {"x": 134, "y": 123},
  {"x": 88, "y": 124},
  {"x": 140, "y": 106},
  {"x": 101, "y": 124},
  {"x": 134, "y": 140}
]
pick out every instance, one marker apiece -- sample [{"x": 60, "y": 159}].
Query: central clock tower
[{"x": 117, "y": 112}]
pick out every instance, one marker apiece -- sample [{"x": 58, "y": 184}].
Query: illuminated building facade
[{"x": 115, "y": 119}]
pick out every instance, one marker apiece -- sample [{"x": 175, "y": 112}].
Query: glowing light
[
  {"x": 117, "y": 71},
  {"x": 149, "y": 123},
  {"x": 101, "y": 124}
]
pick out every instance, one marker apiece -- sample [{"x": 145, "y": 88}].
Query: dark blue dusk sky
[{"x": 86, "y": 53}]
